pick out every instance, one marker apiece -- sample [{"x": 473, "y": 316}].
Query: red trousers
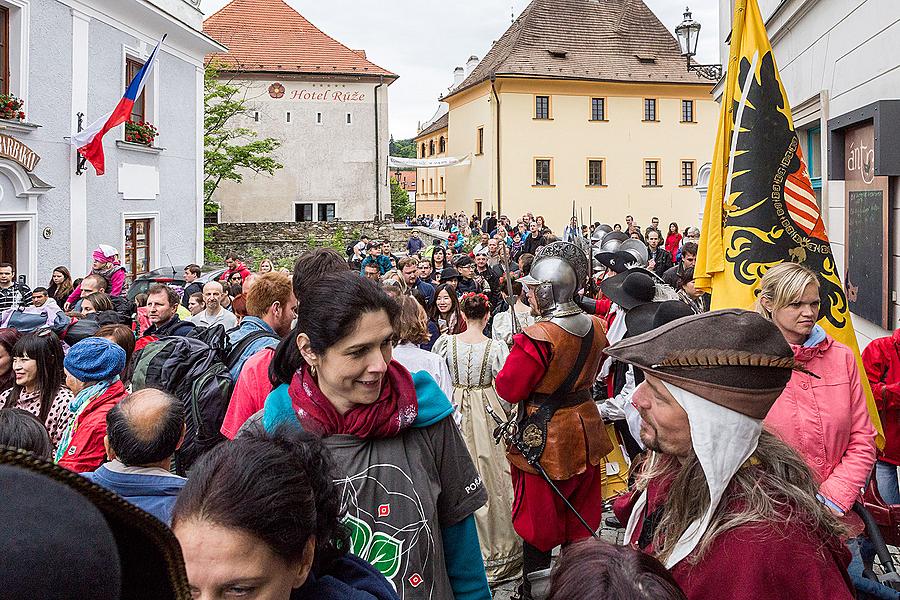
[{"x": 540, "y": 516}]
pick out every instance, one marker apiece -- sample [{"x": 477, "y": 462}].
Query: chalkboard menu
[
  {"x": 866, "y": 255},
  {"x": 867, "y": 217}
]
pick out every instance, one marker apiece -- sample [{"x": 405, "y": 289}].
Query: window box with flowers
[
  {"x": 140, "y": 132},
  {"x": 11, "y": 108}
]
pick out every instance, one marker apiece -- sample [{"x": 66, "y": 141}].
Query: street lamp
[{"x": 688, "y": 34}]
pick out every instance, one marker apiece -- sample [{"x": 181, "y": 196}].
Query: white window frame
[
  {"x": 312, "y": 216},
  {"x": 19, "y": 48},
  {"x": 141, "y": 53},
  {"x": 316, "y": 213}
]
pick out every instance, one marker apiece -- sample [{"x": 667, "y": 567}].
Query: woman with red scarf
[{"x": 410, "y": 485}]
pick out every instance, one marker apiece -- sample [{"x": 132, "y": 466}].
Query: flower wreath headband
[{"x": 468, "y": 295}]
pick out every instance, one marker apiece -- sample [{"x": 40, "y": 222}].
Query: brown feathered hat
[{"x": 735, "y": 358}]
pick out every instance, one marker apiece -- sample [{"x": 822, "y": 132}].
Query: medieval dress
[{"x": 473, "y": 368}]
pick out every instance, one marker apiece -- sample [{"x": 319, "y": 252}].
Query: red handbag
[{"x": 887, "y": 516}]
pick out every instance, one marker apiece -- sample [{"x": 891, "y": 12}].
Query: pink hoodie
[
  {"x": 116, "y": 284},
  {"x": 826, "y": 420}
]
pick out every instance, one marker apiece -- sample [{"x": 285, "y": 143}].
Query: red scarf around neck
[{"x": 394, "y": 411}]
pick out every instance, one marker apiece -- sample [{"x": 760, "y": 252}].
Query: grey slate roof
[
  {"x": 439, "y": 124},
  {"x": 594, "y": 40}
]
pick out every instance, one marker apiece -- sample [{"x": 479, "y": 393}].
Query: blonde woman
[
  {"x": 266, "y": 266},
  {"x": 474, "y": 361},
  {"x": 822, "y": 416}
]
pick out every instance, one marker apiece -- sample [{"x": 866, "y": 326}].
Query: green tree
[
  {"x": 229, "y": 152},
  {"x": 403, "y": 148},
  {"x": 401, "y": 207}
]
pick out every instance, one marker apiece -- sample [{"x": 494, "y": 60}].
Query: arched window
[
  {"x": 423, "y": 150},
  {"x": 442, "y": 145},
  {"x": 431, "y": 148}
]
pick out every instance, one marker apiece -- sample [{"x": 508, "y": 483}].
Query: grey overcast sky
[{"x": 424, "y": 41}]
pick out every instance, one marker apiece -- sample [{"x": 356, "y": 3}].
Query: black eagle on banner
[{"x": 772, "y": 215}]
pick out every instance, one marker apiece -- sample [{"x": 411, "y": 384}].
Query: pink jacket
[
  {"x": 826, "y": 420},
  {"x": 116, "y": 284}
]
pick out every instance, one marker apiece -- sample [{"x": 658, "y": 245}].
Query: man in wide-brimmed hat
[
  {"x": 548, "y": 374},
  {"x": 726, "y": 506},
  {"x": 624, "y": 378}
]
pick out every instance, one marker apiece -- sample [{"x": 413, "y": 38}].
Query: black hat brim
[
  {"x": 613, "y": 289},
  {"x": 647, "y": 317},
  {"x": 152, "y": 565},
  {"x": 617, "y": 261}
]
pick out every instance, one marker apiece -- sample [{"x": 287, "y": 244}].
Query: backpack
[
  {"x": 237, "y": 350},
  {"x": 190, "y": 368}
]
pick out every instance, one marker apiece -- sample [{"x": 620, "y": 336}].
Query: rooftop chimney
[
  {"x": 458, "y": 75},
  {"x": 471, "y": 64}
]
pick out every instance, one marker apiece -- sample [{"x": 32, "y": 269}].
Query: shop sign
[{"x": 16, "y": 151}]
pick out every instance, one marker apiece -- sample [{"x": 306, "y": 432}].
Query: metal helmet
[
  {"x": 638, "y": 249},
  {"x": 559, "y": 270},
  {"x": 612, "y": 240},
  {"x": 599, "y": 232}
]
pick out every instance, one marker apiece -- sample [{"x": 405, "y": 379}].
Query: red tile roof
[
  {"x": 593, "y": 40},
  {"x": 270, "y": 36}
]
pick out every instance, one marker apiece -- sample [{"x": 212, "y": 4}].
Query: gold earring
[{"x": 312, "y": 370}]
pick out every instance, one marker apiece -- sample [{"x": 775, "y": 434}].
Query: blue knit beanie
[{"x": 94, "y": 359}]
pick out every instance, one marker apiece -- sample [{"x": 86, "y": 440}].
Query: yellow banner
[{"x": 761, "y": 209}]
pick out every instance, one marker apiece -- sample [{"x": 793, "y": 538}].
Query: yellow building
[
  {"x": 431, "y": 183},
  {"x": 581, "y": 101}
]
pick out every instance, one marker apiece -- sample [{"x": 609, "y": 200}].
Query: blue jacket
[
  {"x": 414, "y": 245},
  {"x": 426, "y": 289},
  {"x": 348, "y": 578},
  {"x": 154, "y": 493},
  {"x": 250, "y": 325}
]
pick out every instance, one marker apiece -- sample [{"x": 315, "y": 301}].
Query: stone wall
[{"x": 285, "y": 241}]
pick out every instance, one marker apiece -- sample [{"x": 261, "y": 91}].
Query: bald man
[
  {"x": 214, "y": 313},
  {"x": 143, "y": 432}
]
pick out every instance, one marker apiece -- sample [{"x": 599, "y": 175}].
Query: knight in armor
[{"x": 549, "y": 373}]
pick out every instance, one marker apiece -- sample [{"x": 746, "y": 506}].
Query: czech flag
[{"x": 90, "y": 141}]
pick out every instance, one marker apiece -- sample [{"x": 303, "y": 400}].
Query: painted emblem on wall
[{"x": 276, "y": 90}]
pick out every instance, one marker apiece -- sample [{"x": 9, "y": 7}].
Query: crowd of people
[{"x": 434, "y": 422}]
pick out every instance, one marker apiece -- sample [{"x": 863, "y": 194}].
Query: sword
[{"x": 506, "y": 430}]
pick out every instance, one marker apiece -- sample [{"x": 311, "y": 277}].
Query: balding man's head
[
  {"x": 145, "y": 428},
  {"x": 212, "y": 296}
]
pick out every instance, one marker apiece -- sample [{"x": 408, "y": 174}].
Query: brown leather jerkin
[{"x": 576, "y": 436}]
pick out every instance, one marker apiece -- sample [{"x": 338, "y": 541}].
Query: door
[
  {"x": 8, "y": 242},
  {"x": 137, "y": 247}
]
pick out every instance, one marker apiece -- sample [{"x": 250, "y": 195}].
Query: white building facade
[
  {"x": 326, "y": 104},
  {"x": 71, "y": 57},
  {"x": 334, "y": 135},
  {"x": 839, "y": 65}
]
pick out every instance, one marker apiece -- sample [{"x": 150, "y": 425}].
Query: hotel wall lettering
[{"x": 335, "y": 93}]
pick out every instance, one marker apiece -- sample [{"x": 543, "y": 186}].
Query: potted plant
[
  {"x": 140, "y": 132},
  {"x": 11, "y": 107}
]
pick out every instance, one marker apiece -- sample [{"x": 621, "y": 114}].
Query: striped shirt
[{"x": 16, "y": 295}]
